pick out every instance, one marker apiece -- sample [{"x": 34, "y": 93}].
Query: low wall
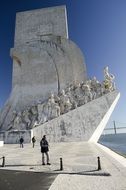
[
  {"x": 2, "y": 135},
  {"x": 12, "y": 137},
  {"x": 1, "y": 143}
]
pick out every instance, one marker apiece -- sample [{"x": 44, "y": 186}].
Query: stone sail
[{"x": 44, "y": 59}]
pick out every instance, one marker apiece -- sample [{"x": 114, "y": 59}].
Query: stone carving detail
[
  {"x": 64, "y": 102},
  {"x": 17, "y": 121},
  {"x": 71, "y": 97},
  {"x": 108, "y": 80}
]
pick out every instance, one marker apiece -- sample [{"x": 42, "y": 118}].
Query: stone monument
[
  {"x": 44, "y": 59},
  {"x": 50, "y": 84}
]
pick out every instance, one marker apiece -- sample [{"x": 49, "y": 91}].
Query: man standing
[
  {"x": 33, "y": 141},
  {"x": 44, "y": 150},
  {"x": 21, "y": 142}
]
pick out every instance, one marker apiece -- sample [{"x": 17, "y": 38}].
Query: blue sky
[{"x": 97, "y": 26}]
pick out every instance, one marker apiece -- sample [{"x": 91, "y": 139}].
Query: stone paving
[{"x": 79, "y": 164}]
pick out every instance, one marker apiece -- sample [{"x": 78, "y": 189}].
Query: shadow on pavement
[
  {"x": 16, "y": 165},
  {"x": 22, "y": 180},
  {"x": 94, "y": 172}
]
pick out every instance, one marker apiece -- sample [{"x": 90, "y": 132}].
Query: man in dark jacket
[
  {"x": 44, "y": 150},
  {"x": 21, "y": 142},
  {"x": 33, "y": 141}
]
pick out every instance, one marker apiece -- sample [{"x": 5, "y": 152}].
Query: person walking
[
  {"x": 44, "y": 150},
  {"x": 33, "y": 141},
  {"x": 21, "y": 142}
]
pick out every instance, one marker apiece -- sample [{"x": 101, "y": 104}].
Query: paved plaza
[{"x": 79, "y": 166}]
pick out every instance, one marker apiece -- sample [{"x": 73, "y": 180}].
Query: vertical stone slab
[{"x": 33, "y": 24}]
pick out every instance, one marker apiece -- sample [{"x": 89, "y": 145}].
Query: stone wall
[
  {"x": 12, "y": 137},
  {"x": 1, "y": 143}
]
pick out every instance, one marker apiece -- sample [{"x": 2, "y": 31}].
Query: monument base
[{"x": 12, "y": 137}]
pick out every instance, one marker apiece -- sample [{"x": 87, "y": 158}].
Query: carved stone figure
[
  {"x": 70, "y": 94},
  {"x": 109, "y": 85},
  {"x": 40, "y": 111},
  {"x": 26, "y": 117},
  {"x": 17, "y": 121},
  {"x": 44, "y": 118},
  {"x": 96, "y": 88},
  {"x": 11, "y": 124},
  {"x": 78, "y": 91},
  {"x": 55, "y": 109},
  {"x": 87, "y": 93},
  {"x": 46, "y": 112},
  {"x": 65, "y": 104},
  {"x": 34, "y": 112}
]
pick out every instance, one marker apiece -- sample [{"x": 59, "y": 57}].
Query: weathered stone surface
[
  {"x": 12, "y": 137},
  {"x": 32, "y": 24},
  {"x": 44, "y": 69},
  {"x": 44, "y": 59},
  {"x": 82, "y": 124}
]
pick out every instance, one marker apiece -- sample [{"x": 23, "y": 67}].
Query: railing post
[
  {"x": 3, "y": 163},
  {"x": 99, "y": 164},
  {"x": 61, "y": 164}
]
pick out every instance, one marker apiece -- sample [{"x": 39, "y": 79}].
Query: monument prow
[{"x": 85, "y": 123}]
